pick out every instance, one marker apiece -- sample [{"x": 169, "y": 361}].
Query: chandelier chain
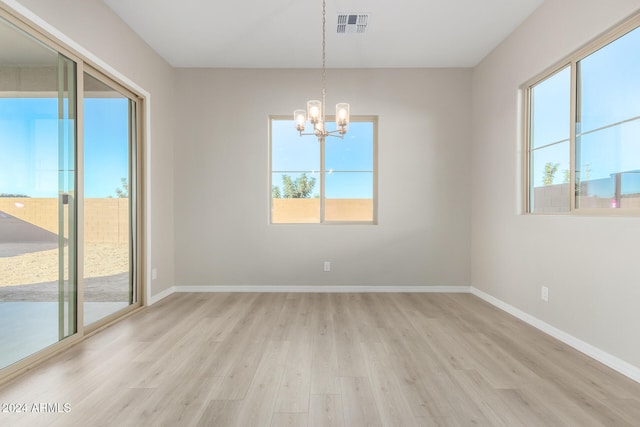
[{"x": 324, "y": 45}]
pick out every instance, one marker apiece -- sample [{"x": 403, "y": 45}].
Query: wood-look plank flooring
[{"x": 243, "y": 359}]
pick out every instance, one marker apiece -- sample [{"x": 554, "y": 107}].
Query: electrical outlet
[
  {"x": 327, "y": 266},
  {"x": 544, "y": 294},
  {"x": 154, "y": 273}
]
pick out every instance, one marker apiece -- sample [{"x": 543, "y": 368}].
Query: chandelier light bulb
[
  {"x": 300, "y": 117},
  {"x": 342, "y": 114},
  {"x": 314, "y": 110}
]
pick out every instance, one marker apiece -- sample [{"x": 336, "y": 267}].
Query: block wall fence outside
[
  {"x": 555, "y": 198},
  {"x": 106, "y": 220},
  {"x": 308, "y": 210}
]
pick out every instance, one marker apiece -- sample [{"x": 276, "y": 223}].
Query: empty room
[{"x": 319, "y": 213}]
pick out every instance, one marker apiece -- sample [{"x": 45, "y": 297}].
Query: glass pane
[
  {"x": 295, "y": 197},
  {"x": 295, "y": 178},
  {"x": 609, "y": 84},
  {"x": 349, "y": 185},
  {"x": 349, "y": 196},
  {"x": 37, "y": 196},
  {"x": 609, "y": 167},
  {"x": 349, "y": 174},
  {"x": 108, "y": 277},
  {"x": 289, "y": 151},
  {"x": 550, "y": 109},
  {"x": 550, "y": 179},
  {"x": 354, "y": 152}
]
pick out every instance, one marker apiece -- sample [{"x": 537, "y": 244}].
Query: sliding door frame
[{"x": 138, "y": 212}]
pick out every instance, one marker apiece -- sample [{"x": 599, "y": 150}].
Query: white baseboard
[
  {"x": 311, "y": 289},
  {"x": 619, "y": 365},
  {"x": 327, "y": 289}
]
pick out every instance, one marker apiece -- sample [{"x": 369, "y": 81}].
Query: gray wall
[
  {"x": 91, "y": 24},
  {"x": 590, "y": 264},
  {"x": 222, "y": 170}
]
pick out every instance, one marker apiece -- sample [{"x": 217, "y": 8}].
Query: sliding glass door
[
  {"x": 69, "y": 214},
  {"x": 38, "y": 285}
]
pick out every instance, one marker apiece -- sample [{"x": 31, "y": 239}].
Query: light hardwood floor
[{"x": 323, "y": 360}]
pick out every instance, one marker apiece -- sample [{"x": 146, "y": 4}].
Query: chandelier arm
[
  {"x": 334, "y": 132},
  {"x": 325, "y": 134}
]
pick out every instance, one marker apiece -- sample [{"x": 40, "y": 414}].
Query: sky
[
  {"x": 29, "y": 146},
  {"x": 348, "y": 164},
  {"x": 106, "y": 151},
  {"x": 609, "y": 89}
]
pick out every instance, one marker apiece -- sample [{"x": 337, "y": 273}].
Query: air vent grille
[{"x": 349, "y": 23}]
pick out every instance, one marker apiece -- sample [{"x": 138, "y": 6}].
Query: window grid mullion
[{"x": 550, "y": 145}]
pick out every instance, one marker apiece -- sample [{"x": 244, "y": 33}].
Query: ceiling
[{"x": 288, "y": 33}]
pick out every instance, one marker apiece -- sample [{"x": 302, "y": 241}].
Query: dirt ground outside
[
  {"x": 34, "y": 276},
  {"x": 101, "y": 259}
]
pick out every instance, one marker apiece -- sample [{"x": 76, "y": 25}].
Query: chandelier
[{"x": 315, "y": 113}]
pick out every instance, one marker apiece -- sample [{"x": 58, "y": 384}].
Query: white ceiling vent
[{"x": 349, "y": 23}]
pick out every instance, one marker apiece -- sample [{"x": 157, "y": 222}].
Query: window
[
  {"x": 583, "y": 131},
  {"x": 323, "y": 182}
]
